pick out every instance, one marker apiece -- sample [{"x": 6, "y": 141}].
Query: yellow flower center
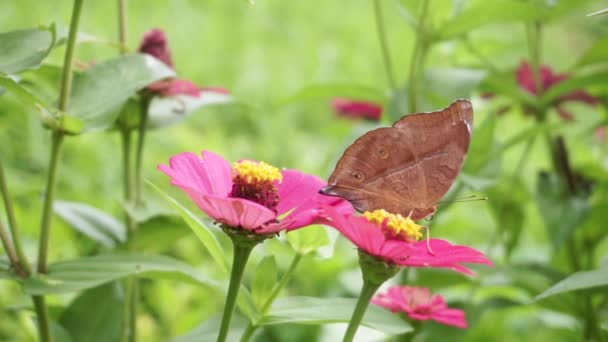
[
  {"x": 395, "y": 226},
  {"x": 256, "y": 172},
  {"x": 256, "y": 181}
]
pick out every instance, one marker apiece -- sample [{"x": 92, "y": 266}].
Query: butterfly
[{"x": 407, "y": 168}]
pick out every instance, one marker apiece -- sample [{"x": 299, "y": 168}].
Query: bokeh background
[{"x": 283, "y": 61}]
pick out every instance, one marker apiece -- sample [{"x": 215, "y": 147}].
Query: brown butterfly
[{"x": 406, "y": 168}]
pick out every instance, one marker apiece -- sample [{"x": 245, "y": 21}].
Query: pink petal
[
  {"x": 297, "y": 188},
  {"x": 210, "y": 175},
  {"x": 445, "y": 255},
  {"x": 235, "y": 212},
  {"x": 155, "y": 43},
  {"x": 365, "y": 235},
  {"x": 216, "y": 90},
  {"x": 525, "y": 78},
  {"x": 173, "y": 87},
  {"x": 357, "y": 109},
  {"x": 453, "y": 317}
]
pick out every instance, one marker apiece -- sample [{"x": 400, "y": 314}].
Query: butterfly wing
[{"x": 406, "y": 168}]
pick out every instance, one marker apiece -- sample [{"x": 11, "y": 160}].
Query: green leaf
[
  {"x": 604, "y": 11},
  {"x": 95, "y": 315},
  {"x": 489, "y": 12},
  {"x": 159, "y": 233},
  {"x": 208, "y": 330},
  {"x": 308, "y": 240},
  {"x": 25, "y": 49},
  {"x": 165, "y": 111},
  {"x": 572, "y": 84},
  {"x": 79, "y": 274},
  {"x": 309, "y": 310},
  {"x": 100, "y": 91},
  {"x": 200, "y": 230},
  {"x": 92, "y": 222},
  {"x": 578, "y": 281},
  {"x": 264, "y": 280},
  {"x": 50, "y": 116},
  {"x": 447, "y": 84},
  {"x": 562, "y": 213},
  {"x": 507, "y": 206},
  {"x": 330, "y": 90},
  {"x": 597, "y": 53}
]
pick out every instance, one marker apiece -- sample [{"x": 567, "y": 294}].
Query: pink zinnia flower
[
  {"x": 419, "y": 304},
  {"x": 356, "y": 109},
  {"x": 548, "y": 79},
  {"x": 397, "y": 243},
  {"x": 251, "y": 195}
]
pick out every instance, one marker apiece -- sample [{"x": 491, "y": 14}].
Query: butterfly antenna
[
  {"x": 428, "y": 240},
  {"x": 471, "y": 198}
]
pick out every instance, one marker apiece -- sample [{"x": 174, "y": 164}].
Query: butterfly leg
[{"x": 428, "y": 239}]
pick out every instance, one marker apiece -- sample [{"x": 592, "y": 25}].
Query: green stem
[
  {"x": 418, "y": 56},
  {"x": 42, "y": 316},
  {"x": 56, "y": 146},
  {"x": 388, "y": 65},
  {"x": 66, "y": 81},
  {"x": 139, "y": 153},
  {"x": 127, "y": 174},
  {"x": 14, "y": 250},
  {"x": 122, "y": 25},
  {"x": 47, "y": 211},
  {"x": 10, "y": 250},
  {"x": 241, "y": 255},
  {"x": 251, "y": 328},
  {"x": 367, "y": 292}
]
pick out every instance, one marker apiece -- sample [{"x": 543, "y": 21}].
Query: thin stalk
[
  {"x": 241, "y": 255},
  {"x": 251, "y": 328},
  {"x": 139, "y": 153},
  {"x": 483, "y": 59},
  {"x": 367, "y": 292},
  {"x": 47, "y": 211},
  {"x": 388, "y": 65},
  {"x": 418, "y": 56},
  {"x": 42, "y": 316},
  {"x": 127, "y": 174},
  {"x": 122, "y": 25},
  {"x": 10, "y": 250},
  {"x": 534, "y": 46},
  {"x": 56, "y": 147},
  {"x": 20, "y": 261}
]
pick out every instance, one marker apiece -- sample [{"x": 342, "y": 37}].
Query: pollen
[
  {"x": 257, "y": 182},
  {"x": 395, "y": 226},
  {"x": 256, "y": 172}
]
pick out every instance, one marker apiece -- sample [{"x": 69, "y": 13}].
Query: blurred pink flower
[
  {"x": 253, "y": 196},
  {"x": 356, "y": 109},
  {"x": 419, "y": 304},
  {"x": 372, "y": 238},
  {"x": 548, "y": 79},
  {"x": 155, "y": 43}
]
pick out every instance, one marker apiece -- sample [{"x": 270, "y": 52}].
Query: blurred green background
[{"x": 283, "y": 61}]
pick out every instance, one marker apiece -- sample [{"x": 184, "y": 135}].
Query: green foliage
[{"x": 25, "y": 49}]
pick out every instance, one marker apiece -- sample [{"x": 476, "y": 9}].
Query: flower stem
[
  {"x": 418, "y": 56},
  {"x": 42, "y": 316},
  {"x": 241, "y": 255},
  {"x": 251, "y": 328},
  {"x": 56, "y": 146},
  {"x": 14, "y": 250},
  {"x": 122, "y": 25},
  {"x": 139, "y": 153},
  {"x": 127, "y": 173},
  {"x": 367, "y": 292},
  {"x": 388, "y": 65}
]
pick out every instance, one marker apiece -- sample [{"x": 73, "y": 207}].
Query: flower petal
[
  {"x": 234, "y": 212},
  {"x": 453, "y": 317},
  {"x": 365, "y": 235},
  {"x": 297, "y": 188},
  {"x": 445, "y": 255},
  {"x": 211, "y": 175}
]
